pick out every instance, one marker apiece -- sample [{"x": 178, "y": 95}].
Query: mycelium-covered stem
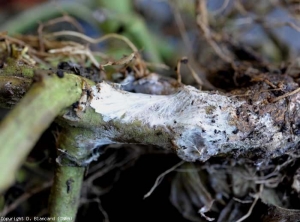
[{"x": 196, "y": 124}]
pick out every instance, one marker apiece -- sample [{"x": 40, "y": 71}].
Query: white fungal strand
[{"x": 196, "y": 124}]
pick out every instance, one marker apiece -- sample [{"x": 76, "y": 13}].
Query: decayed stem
[
  {"x": 196, "y": 124},
  {"x": 30, "y": 117},
  {"x": 12, "y": 89}
]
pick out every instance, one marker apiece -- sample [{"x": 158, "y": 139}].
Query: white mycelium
[
  {"x": 195, "y": 120},
  {"x": 196, "y": 124}
]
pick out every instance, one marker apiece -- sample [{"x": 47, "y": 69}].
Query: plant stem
[
  {"x": 46, "y": 11},
  {"x": 22, "y": 127},
  {"x": 65, "y": 192},
  {"x": 197, "y": 125}
]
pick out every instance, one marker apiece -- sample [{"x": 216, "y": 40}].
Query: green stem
[
  {"x": 65, "y": 193},
  {"x": 22, "y": 127},
  {"x": 46, "y": 11},
  {"x": 123, "y": 14}
]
